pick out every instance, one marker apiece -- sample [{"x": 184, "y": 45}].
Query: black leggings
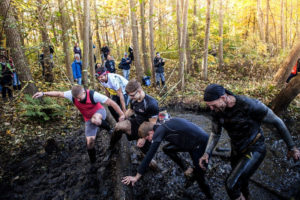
[
  {"x": 243, "y": 167},
  {"x": 171, "y": 150}
]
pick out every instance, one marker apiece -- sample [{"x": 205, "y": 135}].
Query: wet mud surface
[{"x": 66, "y": 172}]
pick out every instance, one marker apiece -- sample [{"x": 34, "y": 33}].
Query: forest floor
[{"x": 27, "y": 171}]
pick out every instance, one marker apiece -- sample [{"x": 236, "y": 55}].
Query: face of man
[
  {"x": 218, "y": 105},
  {"x": 150, "y": 136},
  {"x": 136, "y": 95},
  {"x": 81, "y": 96},
  {"x": 158, "y": 55},
  {"x": 102, "y": 78}
]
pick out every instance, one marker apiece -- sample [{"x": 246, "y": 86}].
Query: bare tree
[
  {"x": 143, "y": 37},
  {"x": 260, "y": 20},
  {"x": 221, "y": 16},
  {"x": 282, "y": 23},
  {"x": 286, "y": 96},
  {"x": 267, "y": 22},
  {"x": 204, "y": 63},
  {"x": 151, "y": 39},
  {"x": 14, "y": 42},
  {"x": 97, "y": 25},
  {"x": 75, "y": 22},
  {"x": 91, "y": 59},
  {"x": 65, "y": 27},
  {"x": 86, "y": 27},
  {"x": 48, "y": 63},
  {"x": 135, "y": 42}
]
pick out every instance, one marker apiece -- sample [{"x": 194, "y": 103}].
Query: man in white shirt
[{"x": 114, "y": 85}]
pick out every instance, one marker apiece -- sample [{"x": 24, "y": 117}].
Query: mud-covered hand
[
  {"x": 141, "y": 142},
  {"x": 203, "y": 161},
  {"x": 129, "y": 179},
  {"x": 38, "y": 95},
  {"x": 294, "y": 153},
  {"x": 122, "y": 118}
]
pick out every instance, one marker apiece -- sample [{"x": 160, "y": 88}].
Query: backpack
[{"x": 120, "y": 66}]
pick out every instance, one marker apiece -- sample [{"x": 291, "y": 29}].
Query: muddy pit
[{"x": 65, "y": 173}]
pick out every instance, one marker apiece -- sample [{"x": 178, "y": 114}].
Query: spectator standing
[
  {"x": 130, "y": 51},
  {"x": 16, "y": 81},
  {"x": 110, "y": 64},
  {"x": 77, "y": 49},
  {"x": 6, "y": 78},
  {"x": 126, "y": 66},
  {"x": 159, "y": 70},
  {"x": 77, "y": 69},
  {"x": 105, "y": 51}
]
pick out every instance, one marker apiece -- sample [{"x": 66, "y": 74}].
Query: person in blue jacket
[
  {"x": 76, "y": 69},
  {"x": 126, "y": 66}
]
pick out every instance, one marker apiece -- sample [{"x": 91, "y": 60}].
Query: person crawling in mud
[
  {"x": 142, "y": 107},
  {"x": 241, "y": 117},
  {"x": 88, "y": 103},
  {"x": 183, "y": 136}
]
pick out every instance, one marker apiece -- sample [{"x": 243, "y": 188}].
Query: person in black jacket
[
  {"x": 241, "y": 117},
  {"x": 159, "y": 69},
  {"x": 130, "y": 51},
  {"x": 105, "y": 50},
  {"x": 6, "y": 78},
  {"x": 183, "y": 136},
  {"x": 295, "y": 71},
  {"x": 125, "y": 62},
  {"x": 110, "y": 64}
]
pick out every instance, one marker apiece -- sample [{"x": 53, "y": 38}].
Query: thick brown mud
[{"x": 64, "y": 172}]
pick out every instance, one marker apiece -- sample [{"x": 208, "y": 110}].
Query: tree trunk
[
  {"x": 135, "y": 42},
  {"x": 46, "y": 42},
  {"x": 75, "y": 21},
  {"x": 17, "y": 53},
  {"x": 189, "y": 62},
  {"x": 65, "y": 38},
  {"x": 286, "y": 68},
  {"x": 97, "y": 25},
  {"x": 106, "y": 34},
  {"x": 297, "y": 22},
  {"x": 195, "y": 63},
  {"x": 267, "y": 22},
  {"x": 179, "y": 36},
  {"x": 221, "y": 16},
  {"x": 91, "y": 59},
  {"x": 275, "y": 29},
  {"x": 85, "y": 62},
  {"x": 204, "y": 63},
  {"x": 116, "y": 41},
  {"x": 286, "y": 95},
  {"x": 80, "y": 18},
  {"x": 259, "y": 20},
  {"x": 143, "y": 37},
  {"x": 282, "y": 23},
  {"x": 151, "y": 39}
]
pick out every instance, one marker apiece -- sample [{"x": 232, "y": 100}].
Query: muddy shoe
[
  {"x": 153, "y": 165},
  {"x": 189, "y": 172},
  {"x": 189, "y": 180}
]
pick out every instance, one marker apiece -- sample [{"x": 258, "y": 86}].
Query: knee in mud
[
  {"x": 90, "y": 142},
  {"x": 123, "y": 126}
]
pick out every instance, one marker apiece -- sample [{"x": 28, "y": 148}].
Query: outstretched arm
[
  {"x": 273, "y": 119},
  {"x": 50, "y": 94},
  {"x": 115, "y": 106}
]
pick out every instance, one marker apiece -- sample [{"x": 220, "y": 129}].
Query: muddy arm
[
  {"x": 214, "y": 138},
  {"x": 274, "y": 120}
]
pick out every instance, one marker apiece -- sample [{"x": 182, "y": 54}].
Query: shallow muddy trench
[{"x": 65, "y": 174}]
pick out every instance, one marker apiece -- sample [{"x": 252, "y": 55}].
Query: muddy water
[{"x": 65, "y": 174}]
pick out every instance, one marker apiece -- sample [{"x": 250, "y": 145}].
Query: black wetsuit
[
  {"x": 183, "y": 136},
  {"x": 243, "y": 124},
  {"x": 144, "y": 110}
]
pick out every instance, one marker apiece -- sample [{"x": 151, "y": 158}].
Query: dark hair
[
  {"x": 100, "y": 70},
  {"x": 132, "y": 86}
]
